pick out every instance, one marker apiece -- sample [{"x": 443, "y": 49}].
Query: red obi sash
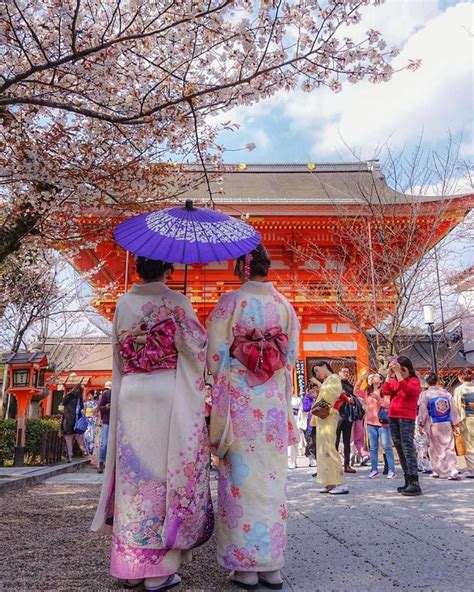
[
  {"x": 151, "y": 349},
  {"x": 262, "y": 353}
]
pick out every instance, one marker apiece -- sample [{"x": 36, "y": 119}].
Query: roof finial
[{"x": 188, "y": 204}]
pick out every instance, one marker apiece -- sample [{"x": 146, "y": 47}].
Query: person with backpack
[
  {"x": 464, "y": 404},
  {"x": 73, "y": 405},
  {"x": 344, "y": 426},
  {"x": 438, "y": 417},
  {"x": 104, "y": 409}
]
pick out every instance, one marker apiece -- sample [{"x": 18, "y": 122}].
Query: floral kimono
[
  {"x": 155, "y": 498},
  {"x": 253, "y": 343},
  {"x": 437, "y": 415}
]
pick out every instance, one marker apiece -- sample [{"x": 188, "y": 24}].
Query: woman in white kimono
[
  {"x": 253, "y": 343},
  {"x": 155, "y": 498}
]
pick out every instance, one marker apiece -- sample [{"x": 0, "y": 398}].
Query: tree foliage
[{"x": 100, "y": 100}]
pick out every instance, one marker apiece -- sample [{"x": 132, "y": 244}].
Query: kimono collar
[
  {"x": 251, "y": 287},
  {"x": 150, "y": 288}
]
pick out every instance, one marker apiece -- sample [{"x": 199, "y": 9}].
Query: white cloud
[
  {"x": 261, "y": 139},
  {"x": 436, "y": 98}
]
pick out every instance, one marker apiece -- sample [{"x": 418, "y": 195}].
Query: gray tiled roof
[
  {"x": 339, "y": 183},
  {"x": 22, "y": 357}
]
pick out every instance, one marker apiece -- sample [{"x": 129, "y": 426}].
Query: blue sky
[{"x": 434, "y": 101}]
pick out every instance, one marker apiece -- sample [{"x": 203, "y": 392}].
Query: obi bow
[
  {"x": 261, "y": 352},
  {"x": 151, "y": 349}
]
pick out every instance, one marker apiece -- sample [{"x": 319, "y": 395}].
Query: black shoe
[
  {"x": 100, "y": 468},
  {"x": 403, "y": 487},
  {"x": 413, "y": 487},
  {"x": 314, "y": 474}
]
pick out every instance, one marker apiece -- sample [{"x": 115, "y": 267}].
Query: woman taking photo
[
  {"x": 378, "y": 429},
  {"x": 403, "y": 387},
  {"x": 253, "y": 345},
  {"x": 155, "y": 498}
]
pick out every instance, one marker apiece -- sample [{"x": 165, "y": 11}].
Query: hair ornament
[{"x": 247, "y": 261}]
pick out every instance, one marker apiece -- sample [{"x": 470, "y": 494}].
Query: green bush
[
  {"x": 35, "y": 428},
  {"x": 7, "y": 439}
]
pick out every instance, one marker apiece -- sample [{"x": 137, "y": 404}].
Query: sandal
[
  {"x": 276, "y": 585},
  {"x": 129, "y": 584},
  {"x": 244, "y": 585},
  {"x": 171, "y": 582}
]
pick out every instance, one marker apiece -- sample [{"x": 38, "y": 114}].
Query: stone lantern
[{"x": 26, "y": 384}]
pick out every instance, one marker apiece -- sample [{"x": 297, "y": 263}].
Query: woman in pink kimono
[
  {"x": 155, "y": 498},
  {"x": 437, "y": 415},
  {"x": 253, "y": 344}
]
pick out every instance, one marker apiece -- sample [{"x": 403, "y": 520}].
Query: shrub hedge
[{"x": 35, "y": 428}]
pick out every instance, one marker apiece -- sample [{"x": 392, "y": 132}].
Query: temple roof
[
  {"x": 22, "y": 357},
  {"x": 349, "y": 183},
  {"x": 83, "y": 354}
]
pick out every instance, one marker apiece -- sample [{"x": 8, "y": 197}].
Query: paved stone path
[{"x": 372, "y": 540}]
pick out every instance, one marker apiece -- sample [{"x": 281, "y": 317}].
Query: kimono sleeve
[
  {"x": 457, "y": 398},
  {"x": 190, "y": 337},
  {"x": 423, "y": 415},
  {"x": 293, "y": 337},
  {"x": 117, "y": 362},
  {"x": 219, "y": 328},
  {"x": 331, "y": 389},
  {"x": 455, "y": 416}
]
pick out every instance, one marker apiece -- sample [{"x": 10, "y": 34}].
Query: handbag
[
  {"x": 383, "y": 416},
  {"x": 459, "y": 444},
  {"x": 321, "y": 409},
  {"x": 81, "y": 425}
]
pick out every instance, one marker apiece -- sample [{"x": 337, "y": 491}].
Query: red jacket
[{"x": 403, "y": 397}]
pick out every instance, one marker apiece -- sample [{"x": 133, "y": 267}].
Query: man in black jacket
[{"x": 345, "y": 424}]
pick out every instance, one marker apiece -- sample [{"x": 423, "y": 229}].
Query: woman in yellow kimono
[{"x": 330, "y": 473}]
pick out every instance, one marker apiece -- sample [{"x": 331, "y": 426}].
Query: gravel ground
[
  {"x": 372, "y": 540},
  {"x": 43, "y": 552}
]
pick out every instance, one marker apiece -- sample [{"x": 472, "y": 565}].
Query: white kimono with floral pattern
[
  {"x": 251, "y": 428},
  {"x": 155, "y": 499}
]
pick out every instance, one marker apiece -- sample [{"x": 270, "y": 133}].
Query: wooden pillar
[{"x": 23, "y": 402}]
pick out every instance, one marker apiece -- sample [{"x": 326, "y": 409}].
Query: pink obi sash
[
  {"x": 262, "y": 353},
  {"x": 151, "y": 349}
]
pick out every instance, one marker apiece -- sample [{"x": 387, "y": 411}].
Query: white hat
[{"x": 108, "y": 384}]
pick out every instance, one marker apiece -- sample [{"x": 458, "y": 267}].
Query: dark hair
[
  {"x": 431, "y": 378},
  {"x": 466, "y": 374},
  {"x": 406, "y": 363},
  {"x": 260, "y": 263},
  {"x": 370, "y": 387},
  {"x": 77, "y": 391},
  {"x": 321, "y": 364},
  {"x": 151, "y": 269}
]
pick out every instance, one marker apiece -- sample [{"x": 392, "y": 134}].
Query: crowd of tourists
[
  {"x": 430, "y": 428},
  {"x": 181, "y": 394}
]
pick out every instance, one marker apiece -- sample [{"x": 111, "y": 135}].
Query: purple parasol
[{"x": 187, "y": 235}]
